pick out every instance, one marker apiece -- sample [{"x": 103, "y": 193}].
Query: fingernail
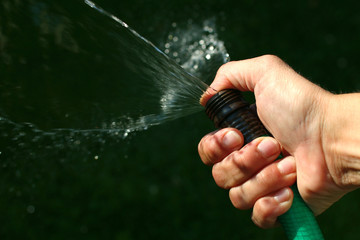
[
  {"x": 282, "y": 196},
  {"x": 287, "y": 165},
  {"x": 268, "y": 147},
  {"x": 231, "y": 139}
]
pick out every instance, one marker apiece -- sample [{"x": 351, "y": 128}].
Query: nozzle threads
[{"x": 228, "y": 108}]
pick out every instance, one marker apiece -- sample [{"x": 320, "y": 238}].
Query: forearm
[{"x": 342, "y": 139}]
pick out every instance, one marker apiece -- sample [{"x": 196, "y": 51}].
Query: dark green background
[{"x": 59, "y": 69}]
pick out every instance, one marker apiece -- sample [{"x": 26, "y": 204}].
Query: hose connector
[{"x": 228, "y": 108}]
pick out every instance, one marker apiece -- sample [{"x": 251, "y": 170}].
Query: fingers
[
  {"x": 270, "y": 179},
  {"x": 251, "y": 173},
  {"x": 267, "y": 192},
  {"x": 267, "y": 209},
  {"x": 240, "y": 166},
  {"x": 215, "y": 146}
]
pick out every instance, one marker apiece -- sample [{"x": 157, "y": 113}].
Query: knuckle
[
  {"x": 270, "y": 62},
  {"x": 271, "y": 176},
  {"x": 271, "y": 59},
  {"x": 264, "y": 206},
  {"x": 201, "y": 147},
  {"x": 263, "y": 214},
  {"x": 264, "y": 177},
  {"x": 209, "y": 150},
  {"x": 240, "y": 162},
  {"x": 220, "y": 176},
  {"x": 349, "y": 180},
  {"x": 232, "y": 170},
  {"x": 238, "y": 198}
]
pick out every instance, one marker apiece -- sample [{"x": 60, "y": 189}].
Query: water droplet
[
  {"x": 126, "y": 133},
  {"x": 227, "y": 57},
  {"x": 96, "y": 157},
  {"x": 30, "y": 209},
  {"x": 175, "y": 54},
  {"x": 208, "y": 56},
  {"x": 167, "y": 45},
  {"x": 174, "y": 24},
  {"x": 91, "y": 4},
  {"x": 208, "y": 29},
  {"x": 201, "y": 42},
  {"x": 175, "y": 39}
]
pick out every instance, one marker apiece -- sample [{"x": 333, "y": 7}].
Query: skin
[{"x": 317, "y": 131}]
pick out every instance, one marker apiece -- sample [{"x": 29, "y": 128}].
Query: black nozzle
[{"x": 228, "y": 108}]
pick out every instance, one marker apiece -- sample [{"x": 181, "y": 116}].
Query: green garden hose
[{"x": 228, "y": 108}]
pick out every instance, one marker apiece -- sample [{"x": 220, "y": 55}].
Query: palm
[{"x": 297, "y": 126}]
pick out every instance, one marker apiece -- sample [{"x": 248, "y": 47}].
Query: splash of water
[
  {"x": 179, "y": 91},
  {"x": 197, "y": 48},
  {"x": 40, "y": 152},
  {"x": 172, "y": 78}
]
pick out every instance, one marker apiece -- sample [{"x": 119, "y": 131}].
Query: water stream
[
  {"x": 178, "y": 90},
  {"x": 169, "y": 85},
  {"x": 165, "y": 84},
  {"x": 73, "y": 101}
]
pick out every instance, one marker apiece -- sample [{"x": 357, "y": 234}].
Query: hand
[{"x": 300, "y": 116}]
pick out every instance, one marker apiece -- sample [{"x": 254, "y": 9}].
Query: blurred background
[{"x": 64, "y": 79}]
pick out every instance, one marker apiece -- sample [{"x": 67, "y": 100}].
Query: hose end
[{"x": 228, "y": 108}]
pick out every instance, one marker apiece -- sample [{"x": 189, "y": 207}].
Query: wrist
[{"x": 341, "y": 139}]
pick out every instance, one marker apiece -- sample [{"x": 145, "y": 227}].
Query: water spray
[{"x": 228, "y": 108}]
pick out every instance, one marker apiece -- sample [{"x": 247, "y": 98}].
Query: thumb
[{"x": 242, "y": 75}]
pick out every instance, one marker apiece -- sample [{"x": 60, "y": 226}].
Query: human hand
[{"x": 294, "y": 111}]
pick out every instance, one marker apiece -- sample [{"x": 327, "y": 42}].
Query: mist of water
[
  {"x": 43, "y": 127},
  {"x": 171, "y": 79},
  {"x": 179, "y": 91}
]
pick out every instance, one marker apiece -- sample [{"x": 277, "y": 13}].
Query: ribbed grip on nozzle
[{"x": 228, "y": 108}]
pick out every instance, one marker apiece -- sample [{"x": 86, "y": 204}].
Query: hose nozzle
[{"x": 228, "y": 108}]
